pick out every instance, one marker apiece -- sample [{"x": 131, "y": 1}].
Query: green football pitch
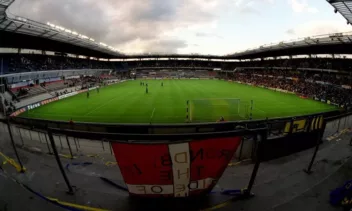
[{"x": 128, "y": 102}]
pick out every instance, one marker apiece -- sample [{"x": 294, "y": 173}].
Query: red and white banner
[{"x": 174, "y": 170}]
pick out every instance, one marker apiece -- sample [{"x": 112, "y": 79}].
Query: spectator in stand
[{"x": 324, "y": 86}]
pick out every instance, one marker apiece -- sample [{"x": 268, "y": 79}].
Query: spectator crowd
[{"x": 329, "y": 87}]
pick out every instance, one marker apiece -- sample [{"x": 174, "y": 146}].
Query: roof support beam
[
  {"x": 341, "y": 7},
  {"x": 340, "y": 40},
  {"x": 2, "y": 21},
  {"x": 8, "y": 25},
  {"x": 44, "y": 33},
  {"x": 344, "y": 3},
  {"x": 74, "y": 39},
  {"x": 53, "y": 35},
  {"x": 336, "y": 1},
  {"x": 18, "y": 28}
]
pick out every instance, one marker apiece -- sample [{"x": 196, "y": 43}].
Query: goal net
[{"x": 212, "y": 110}]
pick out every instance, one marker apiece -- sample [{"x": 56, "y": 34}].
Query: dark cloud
[
  {"x": 122, "y": 23},
  {"x": 158, "y": 10}
]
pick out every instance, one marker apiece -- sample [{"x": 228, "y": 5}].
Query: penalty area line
[
  {"x": 104, "y": 104},
  {"x": 151, "y": 117},
  {"x": 260, "y": 110}
]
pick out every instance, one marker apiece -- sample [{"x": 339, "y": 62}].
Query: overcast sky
[{"x": 186, "y": 26}]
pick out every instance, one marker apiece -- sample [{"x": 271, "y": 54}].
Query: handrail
[
  {"x": 283, "y": 119},
  {"x": 155, "y": 138}
]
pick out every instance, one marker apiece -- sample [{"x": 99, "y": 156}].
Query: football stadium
[{"x": 85, "y": 126}]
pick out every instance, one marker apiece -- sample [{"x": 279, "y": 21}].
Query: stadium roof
[
  {"x": 337, "y": 43},
  {"x": 4, "y": 4},
  {"x": 50, "y": 31},
  {"x": 344, "y": 7}
]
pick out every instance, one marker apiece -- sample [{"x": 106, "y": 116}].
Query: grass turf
[{"x": 128, "y": 103}]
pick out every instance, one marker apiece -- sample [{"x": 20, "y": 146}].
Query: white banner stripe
[
  {"x": 151, "y": 189},
  {"x": 169, "y": 189},
  {"x": 181, "y": 168}
]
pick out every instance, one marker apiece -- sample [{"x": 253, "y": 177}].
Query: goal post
[{"x": 211, "y": 110}]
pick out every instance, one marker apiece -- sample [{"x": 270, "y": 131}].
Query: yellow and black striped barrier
[
  {"x": 304, "y": 125},
  {"x": 110, "y": 163},
  {"x": 238, "y": 163},
  {"x": 75, "y": 206}
]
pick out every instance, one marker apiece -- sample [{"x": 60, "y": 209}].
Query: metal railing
[{"x": 67, "y": 143}]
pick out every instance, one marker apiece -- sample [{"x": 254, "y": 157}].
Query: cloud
[
  {"x": 252, "y": 2},
  {"x": 169, "y": 46},
  {"x": 203, "y": 34},
  {"x": 300, "y": 6},
  {"x": 249, "y": 10},
  {"x": 130, "y": 26},
  {"x": 250, "y": 6},
  {"x": 155, "y": 46}
]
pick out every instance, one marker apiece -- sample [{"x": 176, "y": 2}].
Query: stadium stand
[
  {"x": 27, "y": 63},
  {"x": 15, "y": 63},
  {"x": 28, "y": 91},
  {"x": 330, "y": 87},
  {"x": 171, "y": 73},
  {"x": 55, "y": 85},
  {"x": 326, "y": 79}
]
